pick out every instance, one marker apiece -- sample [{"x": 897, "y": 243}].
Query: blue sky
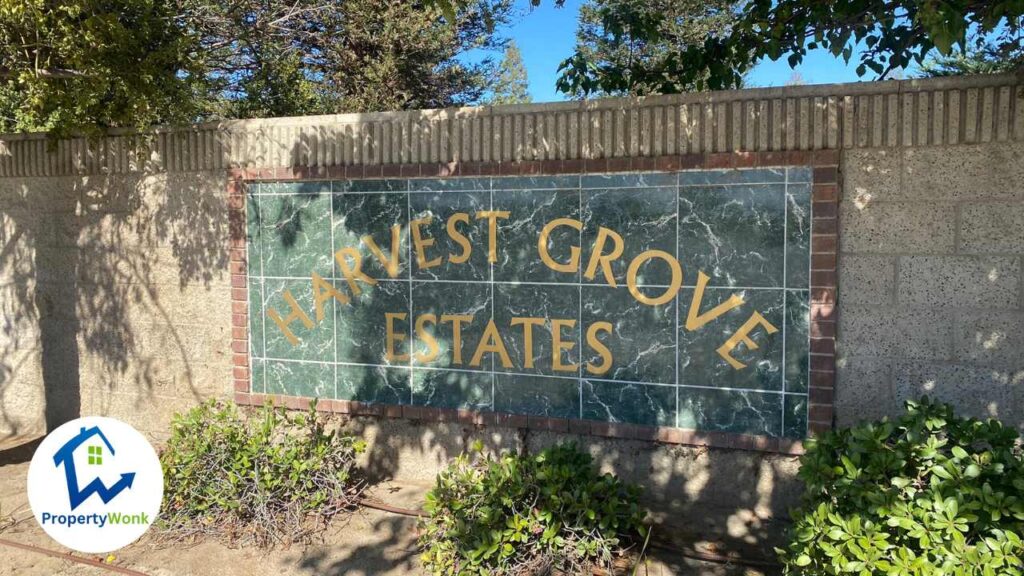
[{"x": 546, "y": 36}]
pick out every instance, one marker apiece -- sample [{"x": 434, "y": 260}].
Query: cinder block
[
  {"x": 871, "y": 174},
  {"x": 863, "y": 390},
  {"x": 866, "y": 280},
  {"x": 992, "y": 228},
  {"x": 894, "y": 333},
  {"x": 985, "y": 172},
  {"x": 962, "y": 281},
  {"x": 897, "y": 227},
  {"x": 991, "y": 338},
  {"x": 976, "y": 392}
]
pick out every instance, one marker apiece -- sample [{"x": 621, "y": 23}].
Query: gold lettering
[
  {"x": 393, "y": 337},
  {"x": 422, "y": 243},
  {"x": 743, "y": 335},
  {"x": 492, "y": 230},
  {"x": 527, "y": 323},
  {"x": 390, "y": 263},
  {"x": 597, "y": 257},
  {"x": 694, "y": 319},
  {"x": 423, "y": 334},
  {"x": 297, "y": 314},
  {"x": 457, "y": 320},
  {"x": 599, "y": 347},
  {"x": 322, "y": 292},
  {"x": 491, "y": 342},
  {"x": 634, "y": 268},
  {"x": 354, "y": 272},
  {"x": 557, "y": 345},
  {"x": 459, "y": 238},
  {"x": 574, "y": 252}
]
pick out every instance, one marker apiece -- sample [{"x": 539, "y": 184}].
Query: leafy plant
[
  {"x": 527, "y": 514},
  {"x": 266, "y": 479},
  {"x": 927, "y": 494}
]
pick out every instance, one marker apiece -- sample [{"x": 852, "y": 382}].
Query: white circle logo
[{"x": 95, "y": 484}]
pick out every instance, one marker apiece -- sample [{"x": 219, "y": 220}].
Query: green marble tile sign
[{"x": 676, "y": 299}]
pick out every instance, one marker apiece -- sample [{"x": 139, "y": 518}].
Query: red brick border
[{"x": 823, "y": 284}]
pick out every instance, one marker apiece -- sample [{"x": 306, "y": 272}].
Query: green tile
[
  {"x": 453, "y": 299},
  {"x": 734, "y": 234},
  {"x": 256, "y": 317},
  {"x": 441, "y": 184},
  {"x": 629, "y": 180},
  {"x": 699, "y": 362},
  {"x": 530, "y": 210},
  {"x": 253, "y": 232},
  {"x": 798, "y": 319},
  {"x": 630, "y": 403},
  {"x": 374, "y": 215},
  {"x": 362, "y": 334},
  {"x": 537, "y": 396},
  {"x": 316, "y": 343},
  {"x": 642, "y": 342},
  {"x": 312, "y": 380},
  {"x": 296, "y": 234},
  {"x": 798, "y": 235},
  {"x": 452, "y": 389},
  {"x": 532, "y": 301},
  {"x": 741, "y": 176},
  {"x": 799, "y": 174},
  {"x": 535, "y": 182},
  {"x": 372, "y": 186},
  {"x": 257, "y": 375},
  {"x": 645, "y": 218},
  {"x": 739, "y": 412},
  {"x": 374, "y": 384},
  {"x": 312, "y": 187},
  {"x": 439, "y": 206},
  {"x": 796, "y": 416}
]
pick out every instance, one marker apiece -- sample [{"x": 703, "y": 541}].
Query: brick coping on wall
[{"x": 823, "y": 284}]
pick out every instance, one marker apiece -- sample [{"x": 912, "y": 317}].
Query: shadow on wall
[{"x": 90, "y": 268}]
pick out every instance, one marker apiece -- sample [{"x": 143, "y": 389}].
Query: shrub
[
  {"x": 271, "y": 478},
  {"x": 527, "y": 514},
  {"x": 927, "y": 494}
]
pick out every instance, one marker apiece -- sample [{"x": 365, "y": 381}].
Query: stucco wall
[
  {"x": 931, "y": 280},
  {"x": 116, "y": 298}
]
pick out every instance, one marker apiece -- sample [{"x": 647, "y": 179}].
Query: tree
[
  {"x": 74, "y": 66},
  {"x": 889, "y": 34},
  {"x": 627, "y": 45},
  {"x": 982, "y": 58},
  {"x": 510, "y": 84},
  {"x": 291, "y": 57},
  {"x": 80, "y": 65}
]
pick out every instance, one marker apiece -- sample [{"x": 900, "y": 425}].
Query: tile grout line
[
  {"x": 555, "y": 376},
  {"x": 334, "y": 301},
  {"x": 785, "y": 296},
  {"x": 490, "y": 270},
  {"x": 263, "y": 284},
  {"x": 579, "y": 280},
  {"x": 677, "y": 302},
  {"x": 408, "y": 271}
]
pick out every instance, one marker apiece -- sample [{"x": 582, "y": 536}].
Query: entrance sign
[{"x": 675, "y": 299}]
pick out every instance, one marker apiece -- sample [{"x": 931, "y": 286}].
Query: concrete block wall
[
  {"x": 112, "y": 287},
  {"x": 931, "y": 269}
]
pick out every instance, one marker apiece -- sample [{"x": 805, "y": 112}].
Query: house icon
[{"x": 65, "y": 455}]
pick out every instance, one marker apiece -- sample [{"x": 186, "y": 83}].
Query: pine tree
[{"x": 510, "y": 83}]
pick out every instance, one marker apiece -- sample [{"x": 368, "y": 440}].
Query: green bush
[
  {"x": 270, "y": 478},
  {"x": 930, "y": 493},
  {"x": 527, "y": 514}
]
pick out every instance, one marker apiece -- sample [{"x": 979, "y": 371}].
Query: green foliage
[
  {"x": 627, "y": 44},
  {"x": 510, "y": 84},
  {"x": 265, "y": 479},
  {"x": 80, "y": 65},
  {"x": 927, "y": 494},
  {"x": 893, "y": 34},
  {"x": 525, "y": 514},
  {"x": 979, "y": 58}
]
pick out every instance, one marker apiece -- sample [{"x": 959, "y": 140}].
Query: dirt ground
[{"x": 370, "y": 542}]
